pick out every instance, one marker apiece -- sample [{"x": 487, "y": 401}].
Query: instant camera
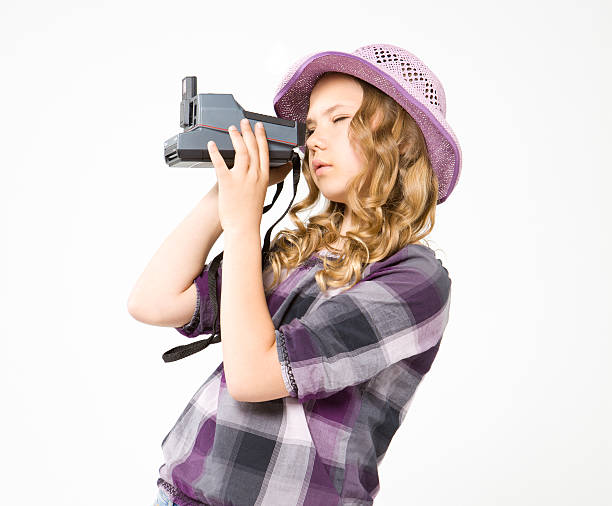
[{"x": 206, "y": 116}]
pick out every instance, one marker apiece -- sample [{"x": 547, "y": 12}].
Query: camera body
[{"x": 207, "y": 116}]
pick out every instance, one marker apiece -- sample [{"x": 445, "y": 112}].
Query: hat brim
[{"x": 292, "y": 101}]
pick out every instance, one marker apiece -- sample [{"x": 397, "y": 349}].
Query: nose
[{"x": 315, "y": 139}]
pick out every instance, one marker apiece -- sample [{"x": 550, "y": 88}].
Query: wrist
[
  {"x": 242, "y": 234},
  {"x": 214, "y": 191}
]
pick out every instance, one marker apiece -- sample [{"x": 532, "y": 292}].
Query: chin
[{"x": 335, "y": 198}]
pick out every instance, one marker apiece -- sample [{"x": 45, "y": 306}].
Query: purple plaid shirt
[{"x": 351, "y": 361}]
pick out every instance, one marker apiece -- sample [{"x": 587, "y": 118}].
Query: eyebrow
[{"x": 327, "y": 111}]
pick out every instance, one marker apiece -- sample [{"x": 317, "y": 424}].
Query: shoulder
[
  {"x": 415, "y": 266},
  {"x": 412, "y": 257}
]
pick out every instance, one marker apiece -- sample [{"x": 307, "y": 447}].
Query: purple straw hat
[{"x": 399, "y": 74}]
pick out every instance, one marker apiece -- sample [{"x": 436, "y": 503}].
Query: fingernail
[
  {"x": 259, "y": 124},
  {"x": 244, "y": 122},
  {"x": 232, "y": 128}
]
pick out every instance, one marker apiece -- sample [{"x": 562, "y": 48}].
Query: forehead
[{"x": 331, "y": 92}]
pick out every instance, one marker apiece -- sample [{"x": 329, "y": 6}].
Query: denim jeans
[{"x": 162, "y": 499}]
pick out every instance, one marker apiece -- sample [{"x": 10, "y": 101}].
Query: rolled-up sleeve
[
  {"x": 202, "y": 319},
  {"x": 349, "y": 338}
]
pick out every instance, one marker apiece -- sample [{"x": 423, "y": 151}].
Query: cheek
[
  {"x": 353, "y": 158},
  {"x": 351, "y": 146}
]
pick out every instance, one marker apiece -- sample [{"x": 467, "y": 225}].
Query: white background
[{"x": 516, "y": 408}]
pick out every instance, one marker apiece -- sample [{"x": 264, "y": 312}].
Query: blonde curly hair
[{"x": 398, "y": 209}]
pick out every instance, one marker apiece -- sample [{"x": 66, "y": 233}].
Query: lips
[
  {"x": 321, "y": 168},
  {"x": 318, "y": 164}
]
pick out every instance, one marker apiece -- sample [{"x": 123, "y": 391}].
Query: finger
[
  {"x": 262, "y": 141},
  {"x": 217, "y": 160},
  {"x": 251, "y": 144},
  {"x": 241, "y": 158}
]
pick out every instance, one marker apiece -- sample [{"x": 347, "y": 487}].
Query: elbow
[
  {"x": 133, "y": 304},
  {"x": 234, "y": 391},
  {"x": 131, "y": 307},
  {"x": 137, "y": 311},
  {"x": 234, "y": 396},
  {"x": 136, "y": 314}
]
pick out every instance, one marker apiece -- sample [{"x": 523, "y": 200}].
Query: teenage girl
[{"x": 324, "y": 346}]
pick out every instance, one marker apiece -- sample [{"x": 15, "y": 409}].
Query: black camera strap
[{"x": 185, "y": 350}]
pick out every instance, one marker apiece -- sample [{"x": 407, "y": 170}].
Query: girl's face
[{"x": 327, "y": 134}]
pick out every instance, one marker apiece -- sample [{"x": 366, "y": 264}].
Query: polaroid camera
[{"x": 206, "y": 116}]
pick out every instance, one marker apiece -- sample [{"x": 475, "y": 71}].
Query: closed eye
[{"x": 309, "y": 132}]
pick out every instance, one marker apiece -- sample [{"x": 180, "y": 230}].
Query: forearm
[
  {"x": 182, "y": 255},
  {"x": 247, "y": 330}
]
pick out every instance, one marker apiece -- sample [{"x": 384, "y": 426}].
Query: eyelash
[{"x": 309, "y": 132}]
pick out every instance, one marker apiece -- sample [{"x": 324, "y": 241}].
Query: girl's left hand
[{"x": 242, "y": 190}]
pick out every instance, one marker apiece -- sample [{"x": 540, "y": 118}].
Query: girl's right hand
[{"x": 278, "y": 174}]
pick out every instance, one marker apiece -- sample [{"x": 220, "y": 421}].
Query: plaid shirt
[{"x": 351, "y": 361}]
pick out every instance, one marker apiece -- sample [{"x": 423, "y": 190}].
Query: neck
[{"x": 346, "y": 222}]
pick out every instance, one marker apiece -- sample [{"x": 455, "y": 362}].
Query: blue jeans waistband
[{"x": 162, "y": 499}]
